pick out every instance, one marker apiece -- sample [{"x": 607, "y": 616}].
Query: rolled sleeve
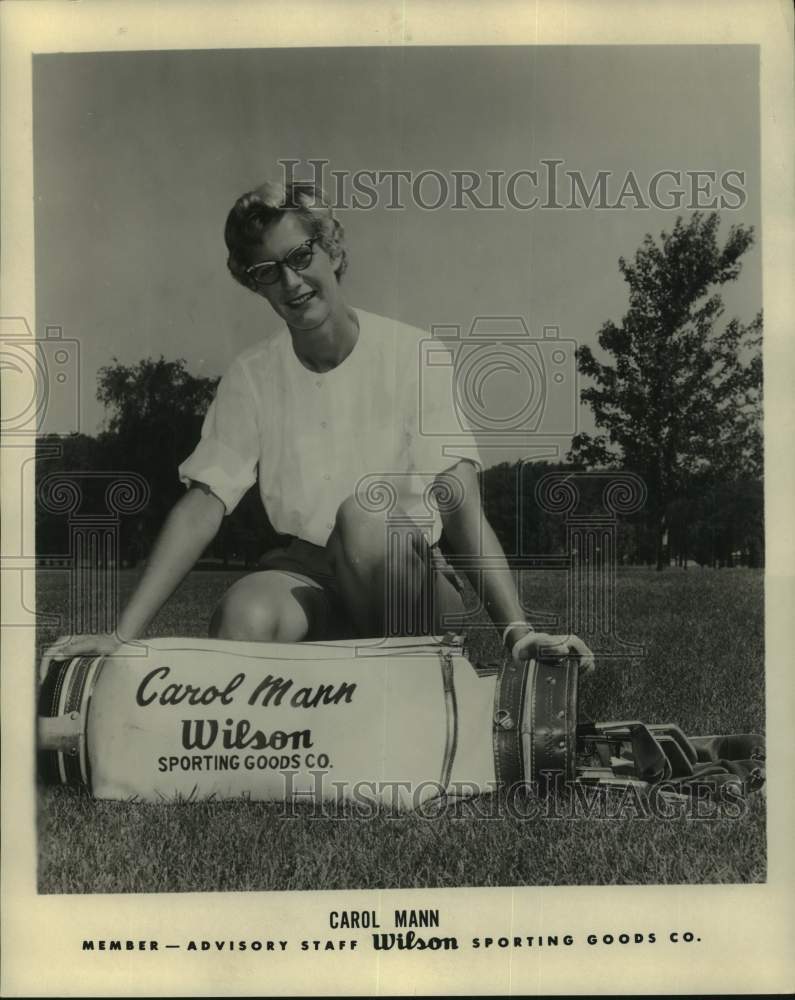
[{"x": 227, "y": 456}]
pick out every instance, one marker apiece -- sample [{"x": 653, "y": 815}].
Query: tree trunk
[{"x": 660, "y": 546}]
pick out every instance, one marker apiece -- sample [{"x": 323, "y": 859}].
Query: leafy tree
[
  {"x": 152, "y": 392},
  {"x": 67, "y": 453},
  {"x": 523, "y": 528},
  {"x": 682, "y": 397},
  {"x": 726, "y": 522},
  {"x": 154, "y": 413},
  {"x": 155, "y": 410}
]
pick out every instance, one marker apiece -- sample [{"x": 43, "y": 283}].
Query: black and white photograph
[{"x": 390, "y": 443}]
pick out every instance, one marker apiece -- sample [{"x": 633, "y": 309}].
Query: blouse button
[
  {"x": 324, "y": 423},
  {"x": 318, "y": 383},
  {"x": 327, "y": 476}
]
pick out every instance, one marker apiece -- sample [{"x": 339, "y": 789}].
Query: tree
[
  {"x": 683, "y": 397},
  {"x": 155, "y": 410},
  {"x": 154, "y": 415},
  {"x": 509, "y": 503},
  {"x": 66, "y": 454},
  {"x": 152, "y": 392}
]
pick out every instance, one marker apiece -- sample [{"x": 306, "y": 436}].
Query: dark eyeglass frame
[{"x": 277, "y": 265}]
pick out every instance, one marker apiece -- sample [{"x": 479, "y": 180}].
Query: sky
[{"x": 139, "y": 156}]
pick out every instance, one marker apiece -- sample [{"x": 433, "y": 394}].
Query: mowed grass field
[{"x": 703, "y": 668}]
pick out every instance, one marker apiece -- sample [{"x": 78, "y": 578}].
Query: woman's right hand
[
  {"x": 67, "y": 646},
  {"x": 189, "y": 529},
  {"x": 84, "y": 645}
]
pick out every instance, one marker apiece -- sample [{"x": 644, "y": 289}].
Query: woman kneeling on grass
[{"x": 325, "y": 417}]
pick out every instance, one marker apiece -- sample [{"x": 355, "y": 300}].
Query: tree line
[{"x": 676, "y": 397}]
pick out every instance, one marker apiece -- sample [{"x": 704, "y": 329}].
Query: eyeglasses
[{"x": 268, "y": 272}]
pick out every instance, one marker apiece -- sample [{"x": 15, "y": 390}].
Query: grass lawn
[{"x": 703, "y": 669}]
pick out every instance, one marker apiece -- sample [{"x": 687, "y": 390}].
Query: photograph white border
[{"x": 746, "y": 930}]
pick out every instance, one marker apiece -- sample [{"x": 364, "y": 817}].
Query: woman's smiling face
[{"x": 303, "y": 298}]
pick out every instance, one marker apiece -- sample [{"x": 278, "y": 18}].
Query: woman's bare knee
[
  {"x": 241, "y": 616},
  {"x": 353, "y": 523},
  {"x": 361, "y": 535},
  {"x": 251, "y": 614}
]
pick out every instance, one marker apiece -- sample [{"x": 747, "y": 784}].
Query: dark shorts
[
  {"x": 300, "y": 558},
  {"x": 303, "y": 560}
]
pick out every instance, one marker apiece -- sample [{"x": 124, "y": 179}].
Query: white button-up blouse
[{"x": 311, "y": 440}]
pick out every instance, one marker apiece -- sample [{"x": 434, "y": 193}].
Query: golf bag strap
[
  {"x": 550, "y": 722},
  {"x": 509, "y": 696},
  {"x": 63, "y": 699},
  {"x": 535, "y": 721},
  {"x": 451, "y": 720}
]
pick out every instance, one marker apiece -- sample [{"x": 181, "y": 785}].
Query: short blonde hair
[{"x": 254, "y": 211}]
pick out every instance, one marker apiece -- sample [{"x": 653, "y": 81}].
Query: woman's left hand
[{"x": 541, "y": 645}]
